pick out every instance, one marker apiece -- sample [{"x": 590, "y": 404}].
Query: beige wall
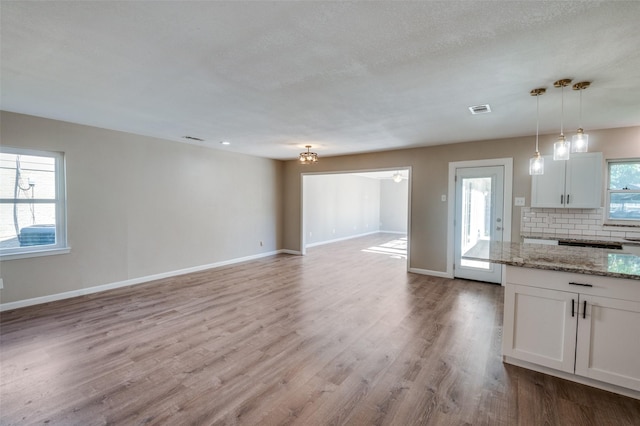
[
  {"x": 139, "y": 206},
  {"x": 429, "y": 214}
]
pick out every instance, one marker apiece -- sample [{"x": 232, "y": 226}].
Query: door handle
[
  {"x": 584, "y": 310},
  {"x": 568, "y": 198},
  {"x": 498, "y": 228},
  {"x": 562, "y": 199},
  {"x": 573, "y": 310}
]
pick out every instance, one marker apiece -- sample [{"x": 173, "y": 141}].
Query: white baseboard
[
  {"x": 294, "y": 252},
  {"x": 432, "y": 273},
  {"x": 342, "y": 239},
  {"x": 393, "y": 232},
  {"x": 133, "y": 281}
]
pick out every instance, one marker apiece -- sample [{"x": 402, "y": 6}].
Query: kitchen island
[{"x": 573, "y": 312}]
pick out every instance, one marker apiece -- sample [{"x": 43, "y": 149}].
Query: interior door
[{"x": 479, "y": 221}]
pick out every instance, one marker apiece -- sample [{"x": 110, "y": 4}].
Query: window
[
  {"x": 32, "y": 203},
  {"x": 623, "y": 192}
]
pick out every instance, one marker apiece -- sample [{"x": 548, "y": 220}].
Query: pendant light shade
[
  {"x": 580, "y": 141},
  {"x": 397, "y": 177},
  {"x": 562, "y": 148},
  {"x": 536, "y": 163}
]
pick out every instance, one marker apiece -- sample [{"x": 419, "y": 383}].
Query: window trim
[
  {"x": 634, "y": 223},
  {"x": 60, "y": 201}
]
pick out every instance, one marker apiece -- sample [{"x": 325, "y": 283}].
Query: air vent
[
  {"x": 191, "y": 138},
  {"x": 480, "y": 109}
]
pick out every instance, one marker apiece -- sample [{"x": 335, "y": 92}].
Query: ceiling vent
[
  {"x": 191, "y": 138},
  {"x": 480, "y": 109}
]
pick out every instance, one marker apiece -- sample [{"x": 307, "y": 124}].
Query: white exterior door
[{"x": 479, "y": 220}]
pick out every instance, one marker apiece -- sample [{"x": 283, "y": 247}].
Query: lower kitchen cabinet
[
  {"x": 608, "y": 343},
  {"x": 587, "y": 327}
]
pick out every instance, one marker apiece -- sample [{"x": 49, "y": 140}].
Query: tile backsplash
[{"x": 572, "y": 223}]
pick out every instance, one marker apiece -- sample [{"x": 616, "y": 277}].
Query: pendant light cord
[
  {"x": 580, "y": 118},
  {"x": 562, "y": 112},
  {"x": 537, "y": 120}
]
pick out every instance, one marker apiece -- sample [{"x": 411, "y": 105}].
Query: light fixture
[
  {"x": 580, "y": 141},
  {"x": 536, "y": 163},
  {"x": 562, "y": 147},
  {"x": 308, "y": 157},
  {"x": 225, "y": 143},
  {"x": 397, "y": 177}
]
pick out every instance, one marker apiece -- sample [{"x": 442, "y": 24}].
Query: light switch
[
  {"x": 519, "y": 201},
  {"x": 443, "y": 197}
]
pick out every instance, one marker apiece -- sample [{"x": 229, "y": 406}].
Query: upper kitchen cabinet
[{"x": 575, "y": 183}]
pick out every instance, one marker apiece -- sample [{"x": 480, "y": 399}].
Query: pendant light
[
  {"x": 562, "y": 147},
  {"x": 397, "y": 177},
  {"x": 580, "y": 141},
  {"x": 308, "y": 157},
  {"x": 536, "y": 163}
]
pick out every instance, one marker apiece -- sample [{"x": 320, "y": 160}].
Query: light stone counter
[{"x": 583, "y": 260}]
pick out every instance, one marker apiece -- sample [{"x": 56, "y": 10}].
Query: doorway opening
[{"x": 346, "y": 205}]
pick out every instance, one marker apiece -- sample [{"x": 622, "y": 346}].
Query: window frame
[
  {"x": 607, "y": 208},
  {"x": 60, "y": 202}
]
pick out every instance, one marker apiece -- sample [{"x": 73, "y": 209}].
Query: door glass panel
[{"x": 476, "y": 221}]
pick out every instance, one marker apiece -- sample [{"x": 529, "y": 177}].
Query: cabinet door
[
  {"x": 583, "y": 186},
  {"x": 547, "y": 190},
  {"x": 540, "y": 326},
  {"x": 608, "y": 345}
]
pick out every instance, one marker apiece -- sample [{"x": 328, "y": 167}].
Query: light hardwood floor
[{"x": 339, "y": 336}]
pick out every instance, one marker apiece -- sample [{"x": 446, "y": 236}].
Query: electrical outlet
[
  {"x": 443, "y": 197},
  {"x": 519, "y": 201},
  {"x": 1, "y": 283},
  {"x": 260, "y": 243}
]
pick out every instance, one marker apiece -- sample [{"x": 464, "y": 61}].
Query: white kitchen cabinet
[
  {"x": 603, "y": 352},
  {"x": 540, "y": 328},
  {"x": 575, "y": 183},
  {"x": 546, "y": 325}
]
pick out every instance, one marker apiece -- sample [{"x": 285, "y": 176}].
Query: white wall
[
  {"x": 140, "y": 206},
  {"x": 394, "y": 205},
  {"x": 340, "y": 206}
]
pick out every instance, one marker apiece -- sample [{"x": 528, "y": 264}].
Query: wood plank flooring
[{"x": 340, "y": 336}]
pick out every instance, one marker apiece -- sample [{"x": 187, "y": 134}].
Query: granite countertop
[{"x": 583, "y": 260}]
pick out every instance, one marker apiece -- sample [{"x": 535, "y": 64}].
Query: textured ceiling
[{"x": 345, "y": 77}]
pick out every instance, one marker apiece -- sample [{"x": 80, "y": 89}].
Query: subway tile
[
  {"x": 588, "y": 232},
  {"x": 581, "y": 226},
  {"x": 575, "y": 232}
]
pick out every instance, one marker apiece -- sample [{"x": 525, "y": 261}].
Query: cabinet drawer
[{"x": 595, "y": 285}]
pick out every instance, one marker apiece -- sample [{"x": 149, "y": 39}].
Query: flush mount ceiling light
[
  {"x": 580, "y": 141},
  {"x": 308, "y": 157},
  {"x": 480, "y": 109},
  {"x": 225, "y": 143},
  {"x": 562, "y": 147},
  {"x": 536, "y": 163},
  {"x": 397, "y": 177}
]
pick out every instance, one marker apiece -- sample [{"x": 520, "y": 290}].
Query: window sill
[
  {"x": 618, "y": 225},
  {"x": 39, "y": 253}
]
